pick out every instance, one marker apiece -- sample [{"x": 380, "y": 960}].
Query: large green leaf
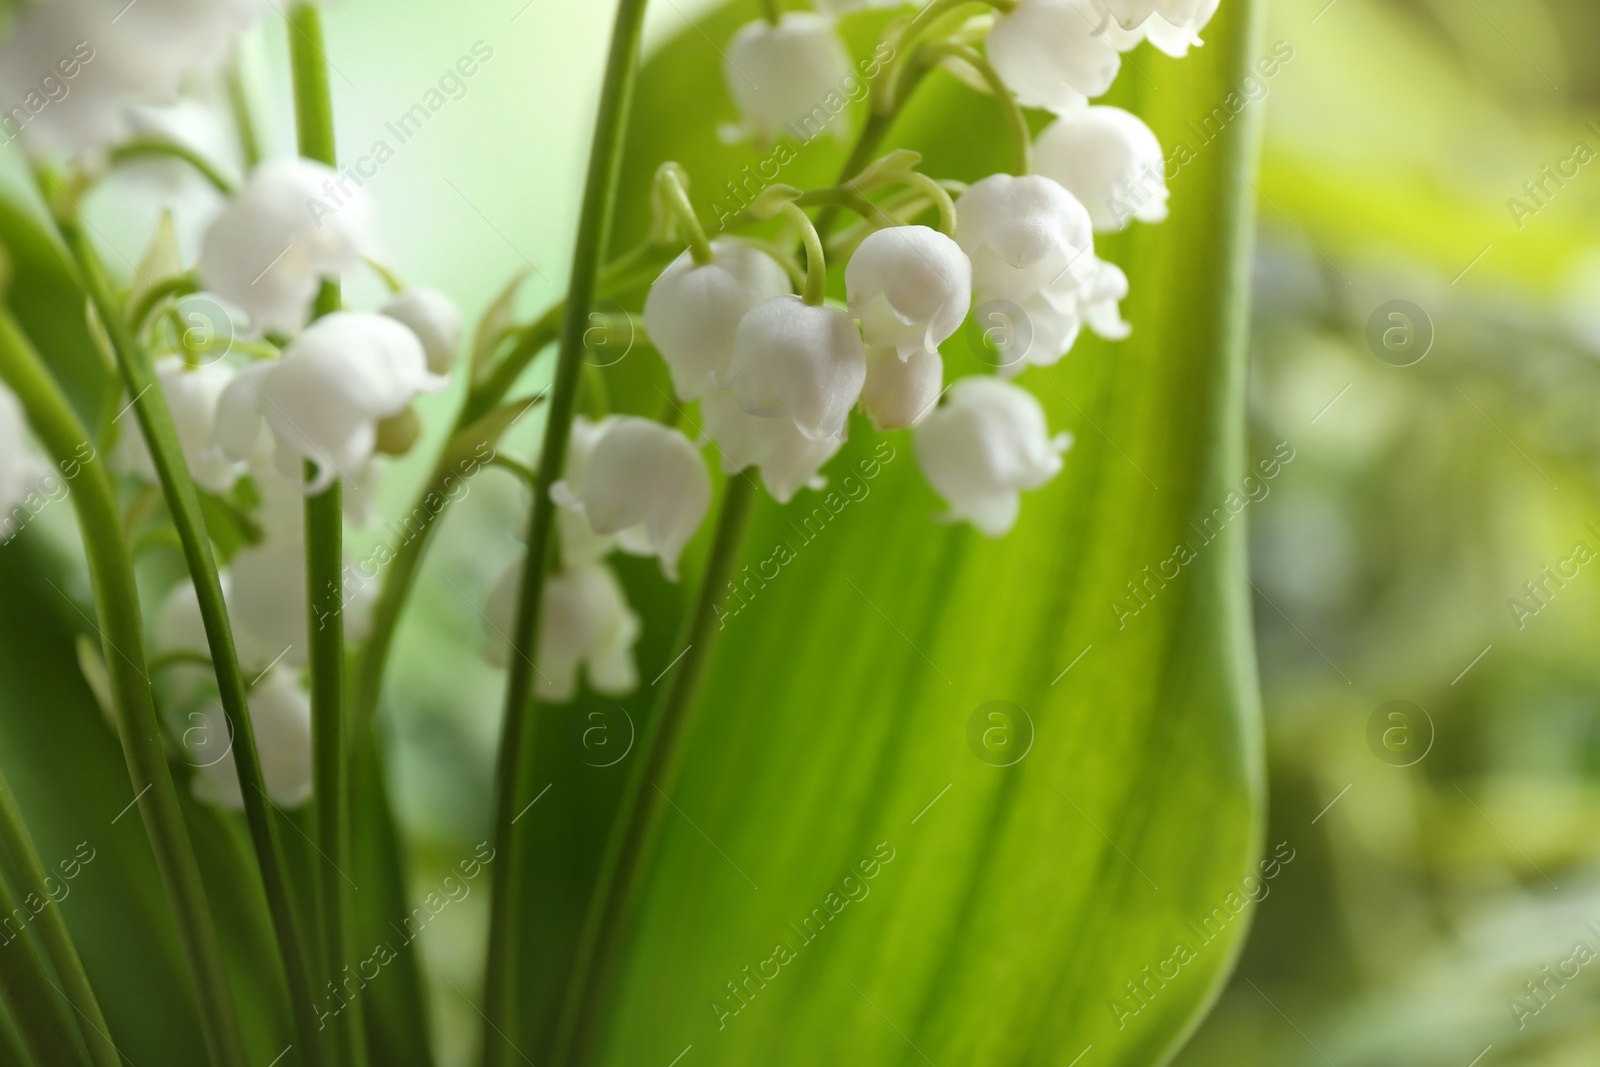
[{"x": 832, "y": 729}]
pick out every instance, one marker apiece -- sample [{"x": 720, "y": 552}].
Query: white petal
[
  {"x": 436, "y": 321},
  {"x": 788, "y": 460},
  {"x": 1052, "y": 54},
  {"x": 793, "y": 79},
  {"x": 1110, "y": 161},
  {"x": 911, "y": 287},
  {"x": 644, "y": 474},
  {"x": 795, "y": 360},
  {"x": 901, "y": 392}
]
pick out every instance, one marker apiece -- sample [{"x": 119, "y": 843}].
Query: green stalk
[
  {"x": 594, "y": 229},
  {"x": 183, "y": 503},
  {"x": 640, "y": 810},
  {"x": 244, "y": 120},
  {"x": 122, "y": 634},
  {"x": 146, "y": 147},
  {"x": 23, "y": 858},
  {"x": 816, "y": 290},
  {"x": 324, "y": 518},
  {"x": 1016, "y": 121},
  {"x": 47, "y": 1031}
]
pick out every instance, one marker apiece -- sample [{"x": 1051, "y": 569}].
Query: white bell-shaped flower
[
  {"x": 692, "y": 310},
  {"x": 800, "y": 361},
  {"x": 1052, "y": 54},
  {"x": 983, "y": 447},
  {"x": 1025, "y": 236},
  {"x": 266, "y": 591},
  {"x": 1173, "y": 26},
  {"x": 192, "y": 395},
  {"x": 793, "y": 78},
  {"x": 1047, "y": 328},
  {"x": 280, "y": 718},
  {"x": 69, "y": 69},
  {"x": 1101, "y": 305},
  {"x": 584, "y": 621},
  {"x": 901, "y": 392},
  {"x": 910, "y": 286},
  {"x": 788, "y": 460},
  {"x": 20, "y": 471},
  {"x": 293, "y": 223},
  {"x": 1110, "y": 161},
  {"x": 643, "y": 483},
  {"x": 436, "y": 321},
  {"x": 324, "y": 399}
]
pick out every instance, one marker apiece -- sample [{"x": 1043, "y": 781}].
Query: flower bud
[
  {"x": 644, "y": 483},
  {"x": 584, "y": 621},
  {"x": 293, "y": 223},
  {"x": 800, "y": 361},
  {"x": 985, "y": 445},
  {"x": 1110, "y": 161},
  {"x": 786, "y": 78},
  {"x": 788, "y": 460},
  {"x": 280, "y": 717},
  {"x": 324, "y": 399},
  {"x": 901, "y": 392},
  {"x": 910, "y": 286},
  {"x": 1052, "y": 54},
  {"x": 192, "y": 395},
  {"x": 436, "y": 321},
  {"x": 692, "y": 310}
]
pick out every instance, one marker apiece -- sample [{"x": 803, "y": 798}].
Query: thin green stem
[
  {"x": 1021, "y": 136},
  {"x": 178, "y": 285},
  {"x": 23, "y": 858},
  {"x": 769, "y": 10},
  {"x": 183, "y": 504},
  {"x": 121, "y": 628},
  {"x": 244, "y": 120},
  {"x": 936, "y": 194},
  {"x": 669, "y": 182},
  {"x": 147, "y": 147},
  {"x": 594, "y": 230},
  {"x": 324, "y": 527},
  {"x": 816, "y": 290},
  {"x": 526, "y": 474},
  {"x": 651, "y": 779},
  {"x": 41, "y": 1019}
]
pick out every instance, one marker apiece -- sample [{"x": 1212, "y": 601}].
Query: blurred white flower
[
  {"x": 436, "y": 321},
  {"x": 643, "y": 483},
  {"x": 20, "y": 471},
  {"x": 324, "y": 399},
  {"x": 280, "y": 718},
  {"x": 70, "y": 68},
  {"x": 584, "y": 621},
  {"x": 800, "y": 361},
  {"x": 910, "y": 286},
  {"x": 794, "y": 75},
  {"x": 692, "y": 310},
  {"x": 192, "y": 395},
  {"x": 294, "y": 223},
  {"x": 901, "y": 392},
  {"x": 1110, "y": 161},
  {"x": 983, "y": 447},
  {"x": 266, "y": 592},
  {"x": 788, "y": 460},
  {"x": 1053, "y": 53}
]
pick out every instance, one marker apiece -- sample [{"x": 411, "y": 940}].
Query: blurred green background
[{"x": 1442, "y": 860}]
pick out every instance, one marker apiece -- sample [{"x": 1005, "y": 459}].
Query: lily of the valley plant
[{"x": 264, "y": 668}]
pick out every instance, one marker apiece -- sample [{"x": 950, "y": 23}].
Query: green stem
[
  {"x": 183, "y": 504},
  {"x": 1021, "y": 136},
  {"x": 121, "y": 628},
  {"x": 936, "y": 194},
  {"x": 47, "y": 1031},
  {"x": 816, "y": 290},
  {"x": 178, "y": 285},
  {"x": 640, "y": 809},
  {"x": 23, "y": 858},
  {"x": 669, "y": 181},
  {"x": 244, "y": 120},
  {"x": 769, "y": 10},
  {"x": 324, "y": 526},
  {"x": 146, "y": 147},
  {"x": 594, "y": 229}
]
